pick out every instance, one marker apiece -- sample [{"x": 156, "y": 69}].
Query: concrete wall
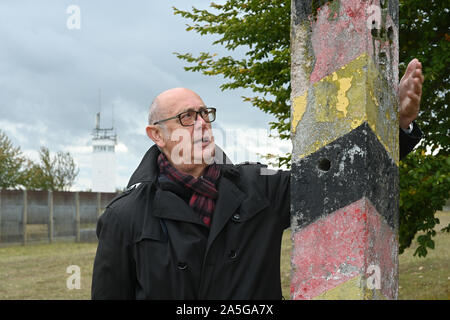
[{"x": 27, "y": 216}]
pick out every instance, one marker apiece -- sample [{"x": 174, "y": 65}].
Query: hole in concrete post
[
  {"x": 374, "y": 32},
  {"x": 390, "y": 34},
  {"x": 324, "y": 164}
]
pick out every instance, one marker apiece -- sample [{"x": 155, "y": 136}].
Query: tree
[
  {"x": 11, "y": 161},
  {"x": 424, "y": 34},
  {"x": 262, "y": 27},
  {"x": 424, "y": 189},
  {"x": 425, "y": 179},
  {"x": 51, "y": 173}
]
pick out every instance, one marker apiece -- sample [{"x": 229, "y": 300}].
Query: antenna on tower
[
  {"x": 97, "y": 121},
  {"x": 112, "y": 115},
  {"x": 100, "y": 99}
]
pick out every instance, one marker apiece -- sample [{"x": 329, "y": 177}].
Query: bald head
[
  {"x": 190, "y": 148},
  {"x": 171, "y": 100}
]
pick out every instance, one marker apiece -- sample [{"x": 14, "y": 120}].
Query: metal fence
[{"x": 32, "y": 216}]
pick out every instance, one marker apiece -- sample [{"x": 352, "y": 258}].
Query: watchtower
[{"x": 103, "y": 158}]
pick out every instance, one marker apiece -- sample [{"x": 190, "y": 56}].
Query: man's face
[{"x": 185, "y": 145}]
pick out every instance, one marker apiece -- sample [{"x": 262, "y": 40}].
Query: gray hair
[{"x": 154, "y": 114}]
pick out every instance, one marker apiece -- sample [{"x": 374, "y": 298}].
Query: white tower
[{"x": 103, "y": 158}]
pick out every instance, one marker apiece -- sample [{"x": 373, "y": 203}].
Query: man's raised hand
[{"x": 410, "y": 92}]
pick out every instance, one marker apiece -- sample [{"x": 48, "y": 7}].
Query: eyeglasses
[{"x": 189, "y": 117}]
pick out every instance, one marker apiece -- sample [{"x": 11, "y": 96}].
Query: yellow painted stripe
[
  {"x": 341, "y": 102},
  {"x": 353, "y": 289},
  {"x": 298, "y": 109}
]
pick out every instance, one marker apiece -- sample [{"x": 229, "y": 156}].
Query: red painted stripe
[
  {"x": 339, "y": 247},
  {"x": 338, "y": 41}
]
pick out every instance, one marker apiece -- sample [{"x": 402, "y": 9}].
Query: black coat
[{"x": 152, "y": 245}]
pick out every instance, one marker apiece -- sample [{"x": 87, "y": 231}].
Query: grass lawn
[
  {"x": 429, "y": 277},
  {"x": 38, "y": 271}
]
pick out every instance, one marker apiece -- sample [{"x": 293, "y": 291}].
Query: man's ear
[{"x": 156, "y": 134}]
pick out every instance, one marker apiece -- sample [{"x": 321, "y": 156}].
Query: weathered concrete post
[
  {"x": 50, "y": 216},
  {"x": 344, "y": 117},
  {"x": 77, "y": 217},
  {"x": 99, "y": 204},
  {"x": 0, "y": 215},
  {"x": 24, "y": 217}
]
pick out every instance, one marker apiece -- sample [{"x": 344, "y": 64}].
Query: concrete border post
[
  {"x": 99, "y": 204},
  {"x": 344, "y": 122},
  {"x": 24, "y": 217},
  {"x": 0, "y": 215},
  {"x": 50, "y": 217},
  {"x": 77, "y": 217}
]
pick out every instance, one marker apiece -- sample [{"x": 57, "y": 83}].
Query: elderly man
[{"x": 190, "y": 227}]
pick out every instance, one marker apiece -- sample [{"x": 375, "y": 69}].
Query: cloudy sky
[{"x": 52, "y": 78}]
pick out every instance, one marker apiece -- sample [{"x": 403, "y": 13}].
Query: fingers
[
  {"x": 414, "y": 84},
  {"x": 417, "y": 63},
  {"x": 413, "y": 77},
  {"x": 418, "y": 74},
  {"x": 417, "y": 86},
  {"x": 415, "y": 98},
  {"x": 412, "y": 67}
]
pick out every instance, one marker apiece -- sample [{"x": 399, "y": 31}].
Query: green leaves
[
  {"x": 424, "y": 189},
  {"x": 424, "y": 31},
  {"x": 50, "y": 173},
  {"x": 11, "y": 161}
]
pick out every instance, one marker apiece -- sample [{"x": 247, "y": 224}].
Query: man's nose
[{"x": 200, "y": 122}]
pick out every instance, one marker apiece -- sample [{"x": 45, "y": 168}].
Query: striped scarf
[{"x": 204, "y": 192}]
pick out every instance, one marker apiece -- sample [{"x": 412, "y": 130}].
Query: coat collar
[
  {"x": 168, "y": 205},
  {"x": 147, "y": 170}
]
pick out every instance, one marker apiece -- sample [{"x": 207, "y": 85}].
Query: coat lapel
[
  {"x": 167, "y": 205},
  {"x": 229, "y": 200}
]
